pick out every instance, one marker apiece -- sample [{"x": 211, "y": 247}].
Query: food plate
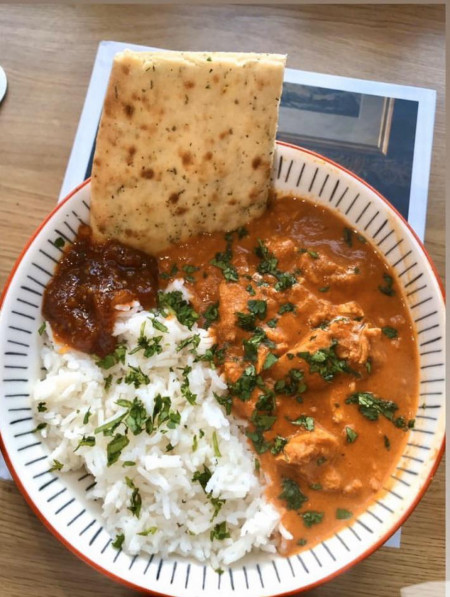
[{"x": 60, "y": 501}]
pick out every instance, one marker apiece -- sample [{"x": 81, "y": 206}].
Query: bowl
[{"x": 60, "y": 500}]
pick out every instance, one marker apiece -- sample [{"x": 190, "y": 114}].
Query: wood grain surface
[{"x": 47, "y": 52}]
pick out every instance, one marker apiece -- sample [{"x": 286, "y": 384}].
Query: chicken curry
[{"x": 313, "y": 337}]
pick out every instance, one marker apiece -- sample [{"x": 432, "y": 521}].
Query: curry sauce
[{"x": 319, "y": 352}]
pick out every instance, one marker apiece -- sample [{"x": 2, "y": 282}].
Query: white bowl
[{"x": 60, "y": 500}]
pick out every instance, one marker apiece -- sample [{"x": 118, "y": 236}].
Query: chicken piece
[
  {"x": 326, "y": 311},
  {"x": 311, "y": 455},
  {"x": 353, "y": 487},
  {"x": 232, "y": 298},
  {"x": 307, "y": 447},
  {"x": 285, "y": 250},
  {"x": 323, "y": 271}
]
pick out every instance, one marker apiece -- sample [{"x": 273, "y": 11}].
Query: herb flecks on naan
[{"x": 185, "y": 145}]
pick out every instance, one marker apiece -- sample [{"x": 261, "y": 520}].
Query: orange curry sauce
[{"x": 338, "y": 334}]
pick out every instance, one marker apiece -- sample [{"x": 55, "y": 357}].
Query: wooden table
[{"x": 48, "y": 52}]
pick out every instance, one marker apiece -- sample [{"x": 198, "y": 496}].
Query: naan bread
[{"x": 185, "y": 145}]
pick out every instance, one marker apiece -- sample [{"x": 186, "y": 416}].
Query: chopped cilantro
[
  {"x": 215, "y": 441},
  {"x": 185, "y": 387},
  {"x": 302, "y": 542},
  {"x": 326, "y": 363},
  {"x": 272, "y": 323},
  {"x": 389, "y": 332},
  {"x": 150, "y": 346},
  {"x": 316, "y": 487},
  {"x": 311, "y": 517},
  {"x": 129, "y": 463},
  {"x": 194, "y": 443},
  {"x": 115, "y": 447},
  {"x": 387, "y": 288},
  {"x": 372, "y": 407},
  {"x": 220, "y": 532},
  {"x": 286, "y": 308},
  {"x": 136, "y": 377},
  {"x": 87, "y": 416},
  {"x": 292, "y": 494},
  {"x": 225, "y": 401},
  {"x": 171, "y": 274},
  {"x": 175, "y": 302},
  {"x": 118, "y": 356},
  {"x": 136, "y": 500},
  {"x": 194, "y": 340},
  {"x": 86, "y": 441},
  {"x": 270, "y": 360},
  {"x": 278, "y": 445},
  {"x": 223, "y": 262},
  {"x": 303, "y": 421},
  {"x": 108, "y": 382},
  {"x": 260, "y": 444},
  {"x": 262, "y": 422},
  {"x": 250, "y": 290},
  {"x": 41, "y": 329},
  {"x": 285, "y": 281},
  {"x": 258, "y": 308},
  {"x": 211, "y": 314},
  {"x": 149, "y": 531},
  {"x": 351, "y": 434},
  {"x": 56, "y": 466},
  {"x": 387, "y": 442},
  {"x": 266, "y": 402},
  {"x": 246, "y": 321},
  {"x": 59, "y": 242},
  {"x": 118, "y": 541},
  {"x": 245, "y": 385},
  {"x": 292, "y": 384},
  {"x": 343, "y": 514},
  {"x": 202, "y": 477},
  {"x": 41, "y": 407},
  {"x": 159, "y": 326},
  {"x": 324, "y": 289}
]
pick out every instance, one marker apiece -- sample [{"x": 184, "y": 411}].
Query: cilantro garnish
[
  {"x": 56, "y": 466},
  {"x": 351, "y": 434},
  {"x": 211, "y": 314},
  {"x": 303, "y": 421},
  {"x": 278, "y": 445},
  {"x": 389, "y": 332},
  {"x": 118, "y": 356},
  {"x": 326, "y": 363},
  {"x": 311, "y": 517},
  {"x": 292, "y": 494},
  {"x": 343, "y": 514},
  {"x": 219, "y": 532},
  {"x": 175, "y": 302},
  {"x": 115, "y": 447},
  {"x": 372, "y": 407},
  {"x": 387, "y": 288},
  {"x": 118, "y": 541},
  {"x": 258, "y": 308},
  {"x": 136, "y": 500},
  {"x": 136, "y": 377},
  {"x": 286, "y": 308}
]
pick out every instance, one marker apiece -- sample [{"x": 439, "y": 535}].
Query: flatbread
[{"x": 185, "y": 145}]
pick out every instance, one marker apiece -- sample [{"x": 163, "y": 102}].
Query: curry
[
  {"x": 319, "y": 352},
  {"x": 316, "y": 344}
]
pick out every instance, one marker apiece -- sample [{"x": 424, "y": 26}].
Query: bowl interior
[{"x": 61, "y": 501}]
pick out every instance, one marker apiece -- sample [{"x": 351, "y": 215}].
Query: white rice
[{"x": 172, "y": 503}]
